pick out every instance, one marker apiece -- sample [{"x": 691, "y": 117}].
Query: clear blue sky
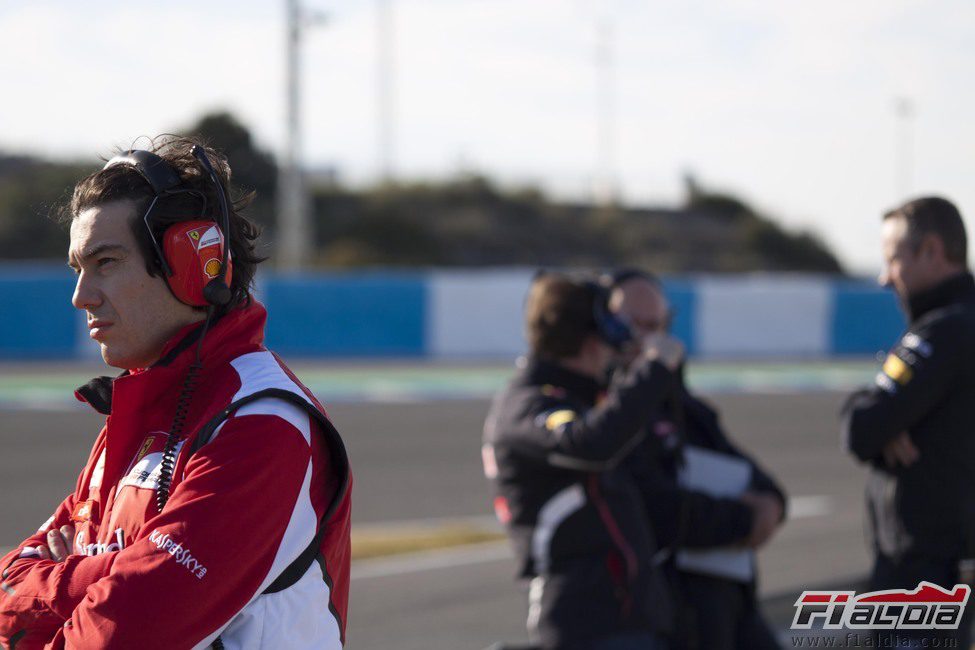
[{"x": 789, "y": 104}]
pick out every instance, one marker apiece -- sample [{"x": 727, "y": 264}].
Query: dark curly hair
[{"x": 124, "y": 183}]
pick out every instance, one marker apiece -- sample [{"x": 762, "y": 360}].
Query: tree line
[{"x": 466, "y": 220}]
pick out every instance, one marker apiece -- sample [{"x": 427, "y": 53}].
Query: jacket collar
[
  {"x": 956, "y": 289},
  {"x": 539, "y": 372},
  {"x": 237, "y": 331}
]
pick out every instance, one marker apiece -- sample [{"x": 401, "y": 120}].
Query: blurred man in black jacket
[
  {"x": 714, "y": 612},
  {"x": 916, "y": 425},
  {"x": 553, "y": 443}
]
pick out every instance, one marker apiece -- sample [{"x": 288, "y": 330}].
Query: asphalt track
[{"x": 419, "y": 461}]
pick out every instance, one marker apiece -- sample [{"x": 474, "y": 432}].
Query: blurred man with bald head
[{"x": 715, "y": 612}]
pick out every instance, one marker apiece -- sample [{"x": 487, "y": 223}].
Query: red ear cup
[{"x": 193, "y": 250}]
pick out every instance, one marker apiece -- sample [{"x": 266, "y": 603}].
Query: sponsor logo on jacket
[
  {"x": 915, "y": 342},
  {"x": 99, "y": 548},
  {"x": 147, "y": 469},
  {"x": 183, "y": 556}
]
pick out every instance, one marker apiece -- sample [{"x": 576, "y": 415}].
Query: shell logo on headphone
[{"x": 212, "y": 268}]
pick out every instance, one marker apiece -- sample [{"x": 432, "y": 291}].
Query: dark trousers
[
  {"x": 642, "y": 641},
  {"x": 718, "y": 614},
  {"x": 906, "y": 573}
]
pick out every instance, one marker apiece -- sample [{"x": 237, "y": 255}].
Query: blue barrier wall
[
  {"x": 448, "y": 313},
  {"x": 37, "y": 320},
  {"x": 683, "y": 303},
  {"x": 346, "y": 315},
  {"x": 864, "y": 319}
]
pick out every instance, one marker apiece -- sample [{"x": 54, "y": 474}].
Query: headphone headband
[{"x": 157, "y": 172}]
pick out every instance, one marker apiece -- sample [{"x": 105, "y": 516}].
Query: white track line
[
  {"x": 805, "y": 507},
  {"x": 428, "y": 560},
  {"x": 489, "y": 522}
]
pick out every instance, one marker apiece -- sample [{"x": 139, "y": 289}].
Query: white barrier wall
[
  {"x": 763, "y": 315},
  {"x": 479, "y": 313},
  {"x": 476, "y": 313}
]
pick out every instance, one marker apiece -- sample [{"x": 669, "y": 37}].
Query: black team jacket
[
  {"x": 690, "y": 519},
  {"x": 553, "y": 443},
  {"x": 927, "y": 388}
]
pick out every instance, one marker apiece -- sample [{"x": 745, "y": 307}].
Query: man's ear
[
  {"x": 932, "y": 248},
  {"x": 615, "y": 301}
]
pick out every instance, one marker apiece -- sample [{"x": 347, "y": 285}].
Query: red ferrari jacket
[{"x": 260, "y": 490}]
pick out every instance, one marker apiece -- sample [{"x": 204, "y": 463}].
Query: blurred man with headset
[
  {"x": 716, "y": 602},
  {"x": 553, "y": 443},
  {"x": 214, "y": 507}
]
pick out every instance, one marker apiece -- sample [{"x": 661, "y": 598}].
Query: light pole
[
  {"x": 604, "y": 185},
  {"x": 385, "y": 47},
  {"x": 904, "y": 147},
  {"x": 293, "y": 227}
]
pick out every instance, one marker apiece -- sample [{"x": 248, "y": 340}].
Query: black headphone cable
[{"x": 168, "y": 462}]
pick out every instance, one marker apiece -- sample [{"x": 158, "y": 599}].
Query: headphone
[
  {"x": 612, "y": 329},
  {"x": 193, "y": 253}
]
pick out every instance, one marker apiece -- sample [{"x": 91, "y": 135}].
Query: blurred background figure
[
  {"x": 914, "y": 426},
  {"x": 714, "y": 594},
  {"x": 552, "y": 449}
]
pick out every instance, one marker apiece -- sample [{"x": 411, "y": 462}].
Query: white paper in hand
[
  {"x": 717, "y": 475},
  {"x": 714, "y": 473}
]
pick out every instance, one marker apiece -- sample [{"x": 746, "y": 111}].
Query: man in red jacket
[{"x": 214, "y": 507}]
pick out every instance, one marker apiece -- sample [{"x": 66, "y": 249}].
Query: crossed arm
[{"x": 190, "y": 569}]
